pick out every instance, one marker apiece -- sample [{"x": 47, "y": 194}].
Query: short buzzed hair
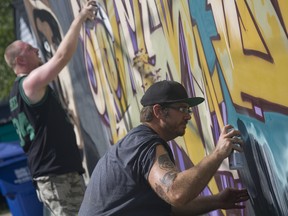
[{"x": 11, "y": 52}]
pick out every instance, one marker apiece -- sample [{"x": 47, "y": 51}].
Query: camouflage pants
[{"x": 61, "y": 194}]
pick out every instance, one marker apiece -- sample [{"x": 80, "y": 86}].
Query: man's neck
[
  {"x": 159, "y": 130},
  {"x": 21, "y": 74}
]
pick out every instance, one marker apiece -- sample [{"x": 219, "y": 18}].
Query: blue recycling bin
[{"x": 16, "y": 183}]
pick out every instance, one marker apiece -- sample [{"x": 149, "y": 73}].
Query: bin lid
[{"x": 10, "y": 149}]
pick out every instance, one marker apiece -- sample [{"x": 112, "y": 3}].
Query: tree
[{"x": 7, "y": 35}]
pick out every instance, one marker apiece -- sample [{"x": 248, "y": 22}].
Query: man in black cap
[{"x": 138, "y": 176}]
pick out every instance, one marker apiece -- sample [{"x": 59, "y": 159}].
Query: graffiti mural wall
[{"x": 234, "y": 53}]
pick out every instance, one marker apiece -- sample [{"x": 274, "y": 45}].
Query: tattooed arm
[{"x": 181, "y": 189}]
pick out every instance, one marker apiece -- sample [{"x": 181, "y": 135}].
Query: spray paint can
[
  {"x": 89, "y": 23},
  {"x": 235, "y": 159}
]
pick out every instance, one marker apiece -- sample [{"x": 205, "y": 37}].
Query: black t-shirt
[
  {"x": 119, "y": 185},
  {"x": 46, "y": 133}
]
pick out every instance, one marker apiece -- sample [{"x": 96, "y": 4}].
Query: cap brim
[{"x": 194, "y": 101}]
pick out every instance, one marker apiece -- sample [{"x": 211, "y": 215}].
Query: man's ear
[
  {"x": 20, "y": 60},
  {"x": 159, "y": 112}
]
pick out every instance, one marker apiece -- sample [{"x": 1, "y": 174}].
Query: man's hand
[
  {"x": 231, "y": 198},
  {"x": 227, "y": 139},
  {"x": 89, "y": 10}
]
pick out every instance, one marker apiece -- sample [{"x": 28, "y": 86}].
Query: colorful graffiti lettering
[{"x": 233, "y": 53}]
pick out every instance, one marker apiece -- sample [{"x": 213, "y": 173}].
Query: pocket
[{"x": 46, "y": 190}]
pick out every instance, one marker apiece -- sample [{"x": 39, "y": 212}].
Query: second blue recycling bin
[{"x": 16, "y": 183}]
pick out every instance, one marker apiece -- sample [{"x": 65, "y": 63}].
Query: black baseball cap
[{"x": 165, "y": 91}]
